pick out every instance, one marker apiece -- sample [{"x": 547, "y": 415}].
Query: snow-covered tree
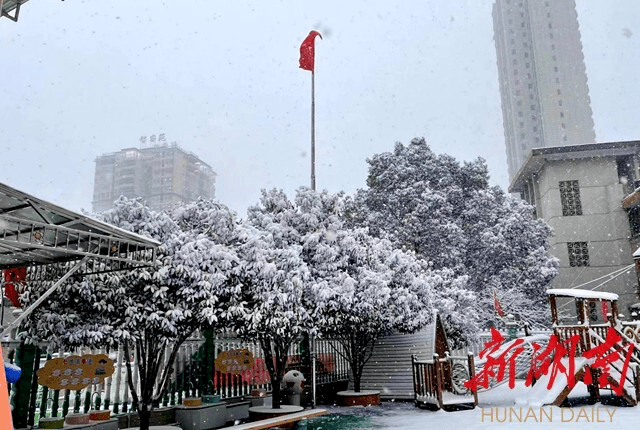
[
  {"x": 360, "y": 287},
  {"x": 368, "y": 290},
  {"x": 149, "y": 311},
  {"x": 447, "y": 213},
  {"x": 270, "y": 306}
]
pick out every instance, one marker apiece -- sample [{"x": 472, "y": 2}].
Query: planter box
[
  {"x": 159, "y": 417},
  {"x": 76, "y": 419},
  {"x": 99, "y": 415},
  {"x": 203, "y": 417},
  {"x": 51, "y": 423},
  {"x": 361, "y": 398},
  {"x": 111, "y": 424},
  {"x": 259, "y": 400},
  {"x": 238, "y": 411}
]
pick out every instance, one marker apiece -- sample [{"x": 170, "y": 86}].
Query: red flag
[
  {"x": 496, "y": 304},
  {"x": 307, "y": 51}
]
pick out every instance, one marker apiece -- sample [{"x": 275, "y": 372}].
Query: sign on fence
[
  {"x": 234, "y": 361},
  {"x": 75, "y": 372}
]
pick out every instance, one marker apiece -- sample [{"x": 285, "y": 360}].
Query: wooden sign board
[
  {"x": 234, "y": 361},
  {"x": 75, "y": 372}
]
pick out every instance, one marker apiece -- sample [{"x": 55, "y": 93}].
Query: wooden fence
[{"x": 193, "y": 376}]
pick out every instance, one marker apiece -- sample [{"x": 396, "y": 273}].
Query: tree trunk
[
  {"x": 275, "y": 392},
  {"x": 356, "y": 381},
  {"x": 145, "y": 416}
]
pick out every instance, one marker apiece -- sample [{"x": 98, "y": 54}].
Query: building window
[
  {"x": 526, "y": 55},
  {"x": 555, "y": 69},
  {"x": 570, "y": 198},
  {"x": 526, "y": 65},
  {"x": 578, "y": 254},
  {"x": 520, "y": 113},
  {"x": 559, "y": 92},
  {"x": 559, "y": 102},
  {"x": 533, "y": 107},
  {"x": 634, "y": 220},
  {"x": 515, "y": 61},
  {"x": 561, "y": 114}
]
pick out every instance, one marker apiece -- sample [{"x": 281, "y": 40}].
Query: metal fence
[{"x": 193, "y": 376}]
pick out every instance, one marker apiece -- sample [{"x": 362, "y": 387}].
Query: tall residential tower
[
  {"x": 163, "y": 175},
  {"x": 576, "y": 185},
  {"x": 542, "y": 76}
]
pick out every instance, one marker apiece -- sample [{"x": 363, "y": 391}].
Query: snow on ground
[{"x": 497, "y": 409}]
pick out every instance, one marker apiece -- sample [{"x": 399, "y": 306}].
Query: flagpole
[{"x": 313, "y": 131}]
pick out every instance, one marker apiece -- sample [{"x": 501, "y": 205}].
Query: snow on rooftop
[{"x": 583, "y": 294}]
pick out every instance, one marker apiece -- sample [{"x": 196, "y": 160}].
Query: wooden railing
[{"x": 433, "y": 378}]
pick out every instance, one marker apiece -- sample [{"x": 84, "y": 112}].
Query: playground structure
[
  {"x": 585, "y": 322},
  {"x": 596, "y": 317}
]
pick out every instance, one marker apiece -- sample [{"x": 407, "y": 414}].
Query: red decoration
[
  {"x": 605, "y": 311},
  {"x": 496, "y": 304},
  {"x": 12, "y": 277},
  {"x": 307, "y": 51}
]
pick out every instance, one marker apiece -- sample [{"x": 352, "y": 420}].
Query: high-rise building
[
  {"x": 576, "y": 185},
  {"x": 163, "y": 175},
  {"x": 542, "y": 76}
]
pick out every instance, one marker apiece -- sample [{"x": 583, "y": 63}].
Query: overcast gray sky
[{"x": 83, "y": 78}]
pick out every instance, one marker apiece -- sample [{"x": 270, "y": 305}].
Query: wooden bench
[{"x": 278, "y": 421}]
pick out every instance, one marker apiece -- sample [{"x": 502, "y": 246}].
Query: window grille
[
  {"x": 578, "y": 254},
  {"x": 570, "y": 198}
]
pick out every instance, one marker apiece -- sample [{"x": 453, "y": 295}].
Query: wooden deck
[{"x": 278, "y": 421}]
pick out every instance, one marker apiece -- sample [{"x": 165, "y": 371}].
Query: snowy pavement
[{"x": 498, "y": 409}]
